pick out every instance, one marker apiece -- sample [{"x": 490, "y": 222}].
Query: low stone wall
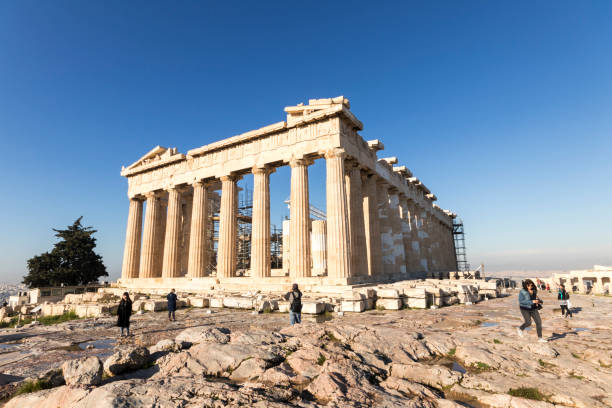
[{"x": 413, "y": 294}]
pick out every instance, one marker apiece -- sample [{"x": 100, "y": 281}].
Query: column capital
[
  {"x": 152, "y": 194},
  {"x": 394, "y": 191},
  {"x": 300, "y": 161},
  {"x": 138, "y": 197},
  {"x": 230, "y": 177},
  {"x": 262, "y": 169},
  {"x": 335, "y": 153}
]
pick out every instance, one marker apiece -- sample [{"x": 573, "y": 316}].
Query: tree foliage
[{"x": 71, "y": 262}]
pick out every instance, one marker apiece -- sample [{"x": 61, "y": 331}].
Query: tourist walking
[
  {"x": 563, "y": 298},
  {"x": 171, "y": 305},
  {"x": 295, "y": 304},
  {"x": 530, "y": 305},
  {"x": 124, "y": 312}
]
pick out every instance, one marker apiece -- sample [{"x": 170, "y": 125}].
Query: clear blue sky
[{"x": 504, "y": 110}]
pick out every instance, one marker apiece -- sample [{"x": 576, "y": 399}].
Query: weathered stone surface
[
  {"x": 542, "y": 349},
  {"x": 83, "y": 372},
  {"x": 433, "y": 375},
  {"x": 204, "y": 335},
  {"x": 353, "y": 306},
  {"x": 387, "y": 293},
  {"x": 313, "y": 307},
  {"x": 198, "y": 302},
  {"x": 128, "y": 359},
  {"x": 389, "y": 304},
  {"x": 155, "y": 305}
]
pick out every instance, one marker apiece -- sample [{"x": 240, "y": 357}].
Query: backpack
[{"x": 296, "y": 303}]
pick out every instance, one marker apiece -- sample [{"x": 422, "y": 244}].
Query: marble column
[
  {"x": 399, "y": 256},
  {"x": 426, "y": 240},
  {"x": 186, "y": 214},
  {"x": 406, "y": 233},
  {"x": 372, "y": 225},
  {"x": 260, "y": 242},
  {"x": 160, "y": 237},
  {"x": 171, "y": 268},
  {"x": 386, "y": 230},
  {"x": 415, "y": 257},
  {"x": 286, "y": 247},
  {"x": 198, "y": 240},
  {"x": 228, "y": 224},
  {"x": 318, "y": 246},
  {"x": 133, "y": 236},
  {"x": 356, "y": 222},
  {"x": 148, "y": 257},
  {"x": 338, "y": 240},
  {"x": 299, "y": 218}
]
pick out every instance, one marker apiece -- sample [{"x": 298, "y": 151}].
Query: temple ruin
[{"x": 381, "y": 224}]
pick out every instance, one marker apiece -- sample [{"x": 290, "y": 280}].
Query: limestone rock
[
  {"x": 126, "y": 360},
  {"x": 542, "y": 349},
  {"x": 195, "y": 335},
  {"x": 433, "y": 375},
  {"x": 83, "y": 372},
  {"x": 166, "y": 345}
]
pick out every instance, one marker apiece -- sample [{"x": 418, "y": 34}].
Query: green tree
[{"x": 71, "y": 262}]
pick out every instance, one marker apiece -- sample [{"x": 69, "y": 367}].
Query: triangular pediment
[
  {"x": 157, "y": 156},
  {"x": 154, "y": 154}
]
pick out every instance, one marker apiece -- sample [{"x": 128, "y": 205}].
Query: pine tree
[{"x": 71, "y": 262}]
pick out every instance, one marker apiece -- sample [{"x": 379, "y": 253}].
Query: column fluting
[
  {"x": 338, "y": 241},
  {"x": 198, "y": 240},
  {"x": 356, "y": 221},
  {"x": 299, "y": 218},
  {"x": 171, "y": 265},
  {"x": 260, "y": 242},
  {"x": 372, "y": 226},
  {"x": 228, "y": 223},
  {"x": 133, "y": 236},
  {"x": 148, "y": 258}
]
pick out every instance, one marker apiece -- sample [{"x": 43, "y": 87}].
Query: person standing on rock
[
  {"x": 295, "y": 304},
  {"x": 171, "y": 305},
  {"x": 529, "y": 304},
  {"x": 124, "y": 312},
  {"x": 563, "y": 298}
]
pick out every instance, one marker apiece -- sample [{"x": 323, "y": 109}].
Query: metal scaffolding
[{"x": 459, "y": 240}]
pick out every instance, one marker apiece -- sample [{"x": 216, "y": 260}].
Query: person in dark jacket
[
  {"x": 529, "y": 304},
  {"x": 124, "y": 312},
  {"x": 563, "y": 297},
  {"x": 295, "y": 304},
  {"x": 171, "y": 305}
]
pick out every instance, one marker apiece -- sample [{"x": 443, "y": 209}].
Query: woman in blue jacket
[{"x": 529, "y": 304}]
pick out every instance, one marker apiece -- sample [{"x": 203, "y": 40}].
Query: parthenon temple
[{"x": 381, "y": 222}]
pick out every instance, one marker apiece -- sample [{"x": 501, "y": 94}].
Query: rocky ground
[{"x": 464, "y": 355}]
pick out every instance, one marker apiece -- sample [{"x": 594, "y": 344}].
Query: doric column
[
  {"x": 185, "y": 240},
  {"x": 415, "y": 257},
  {"x": 198, "y": 254},
  {"x": 372, "y": 225},
  {"x": 171, "y": 268},
  {"x": 228, "y": 223},
  {"x": 148, "y": 258},
  {"x": 426, "y": 240},
  {"x": 386, "y": 230},
  {"x": 338, "y": 241},
  {"x": 318, "y": 245},
  {"x": 356, "y": 224},
  {"x": 406, "y": 233},
  {"x": 160, "y": 236},
  {"x": 399, "y": 257},
  {"x": 299, "y": 229},
  {"x": 286, "y": 246},
  {"x": 133, "y": 235},
  {"x": 260, "y": 242}
]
